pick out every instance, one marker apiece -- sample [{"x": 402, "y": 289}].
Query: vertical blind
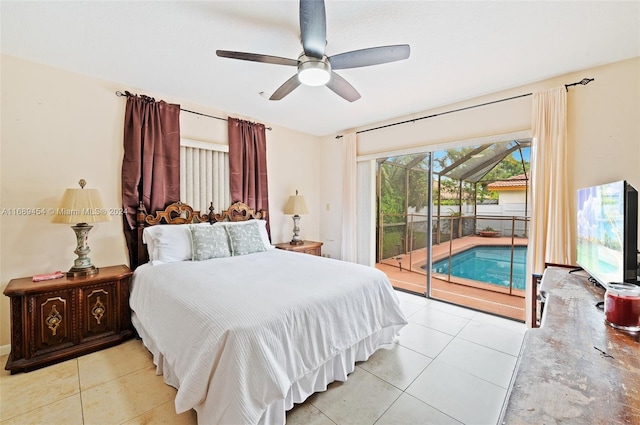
[{"x": 204, "y": 175}]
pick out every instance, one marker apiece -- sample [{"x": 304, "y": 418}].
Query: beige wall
[
  {"x": 603, "y": 129},
  {"x": 331, "y": 196},
  {"x": 58, "y": 127}
]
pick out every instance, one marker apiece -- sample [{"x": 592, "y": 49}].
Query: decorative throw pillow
[
  {"x": 209, "y": 242},
  {"x": 245, "y": 239},
  {"x": 262, "y": 227}
]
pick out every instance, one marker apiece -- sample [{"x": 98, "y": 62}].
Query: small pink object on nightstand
[{"x": 48, "y": 276}]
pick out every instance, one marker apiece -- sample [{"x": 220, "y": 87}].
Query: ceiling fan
[{"x": 314, "y": 67}]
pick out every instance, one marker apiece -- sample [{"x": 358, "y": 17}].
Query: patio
[{"x": 405, "y": 272}]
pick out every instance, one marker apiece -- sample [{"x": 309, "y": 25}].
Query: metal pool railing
[{"x": 403, "y": 239}]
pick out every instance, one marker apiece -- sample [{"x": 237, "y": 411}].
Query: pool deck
[{"x": 405, "y": 272}]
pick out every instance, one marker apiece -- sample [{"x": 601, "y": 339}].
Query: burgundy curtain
[
  {"x": 151, "y": 163},
  {"x": 248, "y": 164}
]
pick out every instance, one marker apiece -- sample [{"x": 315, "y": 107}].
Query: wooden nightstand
[
  {"x": 55, "y": 320},
  {"x": 308, "y": 247}
]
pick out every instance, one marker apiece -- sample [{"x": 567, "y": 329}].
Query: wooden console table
[{"x": 575, "y": 369}]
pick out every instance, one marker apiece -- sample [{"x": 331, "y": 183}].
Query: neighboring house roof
[{"x": 518, "y": 182}]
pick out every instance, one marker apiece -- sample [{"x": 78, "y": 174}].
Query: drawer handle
[
  {"x": 53, "y": 320},
  {"x": 98, "y": 310}
]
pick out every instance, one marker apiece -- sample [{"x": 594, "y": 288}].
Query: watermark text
[{"x": 24, "y": 211}]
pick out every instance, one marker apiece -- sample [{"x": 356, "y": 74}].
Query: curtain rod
[
  {"x": 127, "y": 94},
  {"x": 584, "y": 82}
]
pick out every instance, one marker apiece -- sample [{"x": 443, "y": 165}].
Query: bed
[{"x": 243, "y": 330}]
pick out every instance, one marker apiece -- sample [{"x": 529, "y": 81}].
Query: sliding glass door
[
  {"x": 453, "y": 224},
  {"x": 403, "y": 219}
]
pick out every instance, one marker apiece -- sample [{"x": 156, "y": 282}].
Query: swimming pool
[{"x": 489, "y": 264}]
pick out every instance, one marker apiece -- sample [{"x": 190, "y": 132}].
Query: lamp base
[
  {"x": 296, "y": 231},
  {"x": 82, "y": 265},
  {"x": 87, "y": 271}
]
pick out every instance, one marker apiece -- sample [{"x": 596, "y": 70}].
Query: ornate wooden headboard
[
  {"x": 239, "y": 211},
  {"x": 181, "y": 213}
]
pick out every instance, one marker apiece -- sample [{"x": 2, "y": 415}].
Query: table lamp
[
  {"x": 81, "y": 207},
  {"x": 296, "y": 206}
]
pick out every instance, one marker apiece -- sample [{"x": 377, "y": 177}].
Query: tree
[
  {"x": 395, "y": 196},
  {"x": 510, "y": 166},
  {"x": 392, "y": 191}
]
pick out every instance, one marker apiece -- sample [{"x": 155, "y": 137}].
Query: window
[{"x": 204, "y": 175}]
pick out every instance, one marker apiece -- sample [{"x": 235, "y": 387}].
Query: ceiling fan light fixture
[
  {"x": 313, "y": 71},
  {"x": 315, "y": 68}
]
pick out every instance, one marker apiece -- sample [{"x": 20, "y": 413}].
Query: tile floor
[{"x": 450, "y": 366}]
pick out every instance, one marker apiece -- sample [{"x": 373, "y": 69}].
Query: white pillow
[
  {"x": 149, "y": 242},
  {"x": 262, "y": 228},
  {"x": 168, "y": 243}
]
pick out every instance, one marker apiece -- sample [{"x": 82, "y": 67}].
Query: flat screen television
[{"x": 607, "y": 239}]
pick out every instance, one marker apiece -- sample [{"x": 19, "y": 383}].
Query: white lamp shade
[
  {"x": 80, "y": 206},
  {"x": 296, "y": 205}
]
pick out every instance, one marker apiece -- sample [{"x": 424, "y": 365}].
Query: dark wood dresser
[
  {"x": 59, "y": 319},
  {"x": 575, "y": 369}
]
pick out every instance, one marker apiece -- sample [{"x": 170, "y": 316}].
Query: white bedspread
[{"x": 235, "y": 334}]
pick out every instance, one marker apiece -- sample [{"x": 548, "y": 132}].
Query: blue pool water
[{"x": 488, "y": 264}]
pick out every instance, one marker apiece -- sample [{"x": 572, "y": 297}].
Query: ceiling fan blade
[
  {"x": 313, "y": 27},
  {"x": 342, "y": 88},
  {"x": 371, "y": 56},
  {"x": 288, "y": 86},
  {"x": 254, "y": 57}
]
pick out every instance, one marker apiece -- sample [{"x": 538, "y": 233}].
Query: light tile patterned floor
[{"x": 450, "y": 366}]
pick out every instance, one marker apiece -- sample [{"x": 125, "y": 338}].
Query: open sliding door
[{"x": 453, "y": 224}]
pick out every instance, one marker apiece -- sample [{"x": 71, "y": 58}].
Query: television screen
[{"x": 607, "y": 232}]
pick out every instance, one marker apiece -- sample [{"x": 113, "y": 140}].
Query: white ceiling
[{"x": 459, "y": 50}]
